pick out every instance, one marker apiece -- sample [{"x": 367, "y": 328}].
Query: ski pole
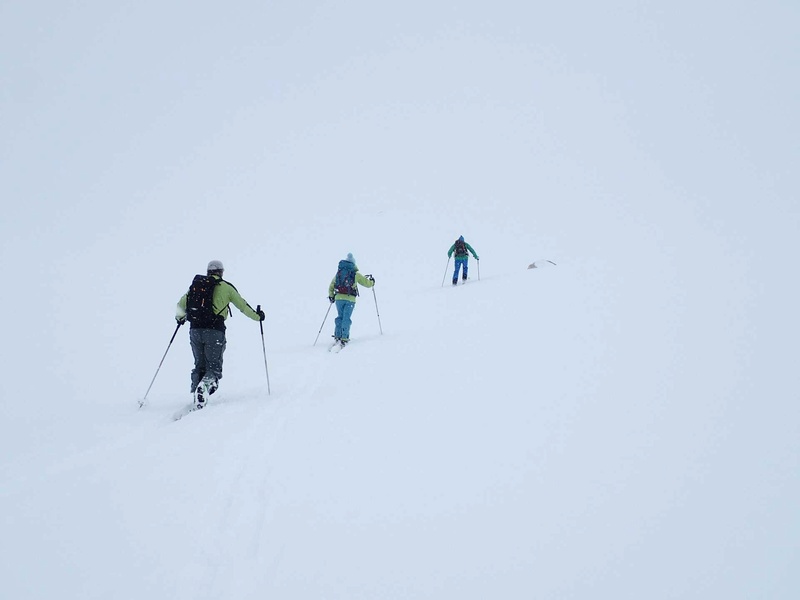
[
  {"x": 323, "y": 323},
  {"x": 143, "y": 401},
  {"x": 477, "y": 260},
  {"x": 445, "y": 270},
  {"x": 264, "y": 348},
  {"x": 376, "y": 310}
]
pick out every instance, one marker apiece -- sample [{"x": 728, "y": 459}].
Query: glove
[
  {"x": 371, "y": 278},
  {"x": 332, "y": 299},
  {"x": 477, "y": 258},
  {"x": 261, "y": 315},
  {"x": 180, "y": 320}
]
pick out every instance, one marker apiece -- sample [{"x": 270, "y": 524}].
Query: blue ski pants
[
  {"x": 343, "y": 321},
  {"x": 461, "y": 261}
]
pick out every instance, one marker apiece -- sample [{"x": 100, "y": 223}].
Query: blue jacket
[{"x": 466, "y": 256}]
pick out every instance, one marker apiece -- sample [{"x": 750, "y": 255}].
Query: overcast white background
[{"x": 641, "y": 397}]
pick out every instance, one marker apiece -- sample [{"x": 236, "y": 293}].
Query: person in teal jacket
[
  {"x": 343, "y": 290},
  {"x": 207, "y": 336},
  {"x": 460, "y": 247}
]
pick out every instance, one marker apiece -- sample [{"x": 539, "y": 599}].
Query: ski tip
[{"x": 182, "y": 413}]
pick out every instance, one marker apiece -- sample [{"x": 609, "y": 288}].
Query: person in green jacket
[
  {"x": 207, "y": 330},
  {"x": 343, "y": 291},
  {"x": 460, "y": 247}
]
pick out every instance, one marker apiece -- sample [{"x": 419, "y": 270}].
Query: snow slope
[
  {"x": 509, "y": 440},
  {"x": 620, "y": 426}
]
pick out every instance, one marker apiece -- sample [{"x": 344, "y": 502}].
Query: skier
[
  {"x": 206, "y": 306},
  {"x": 343, "y": 291},
  {"x": 460, "y": 247}
]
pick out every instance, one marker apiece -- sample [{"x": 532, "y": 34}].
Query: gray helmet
[{"x": 215, "y": 265}]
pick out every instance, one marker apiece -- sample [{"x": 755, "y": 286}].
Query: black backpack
[
  {"x": 345, "y": 282},
  {"x": 461, "y": 248},
  {"x": 199, "y": 303}
]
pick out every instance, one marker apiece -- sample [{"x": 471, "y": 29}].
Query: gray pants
[{"x": 208, "y": 346}]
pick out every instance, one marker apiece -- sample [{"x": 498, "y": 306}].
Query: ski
[
  {"x": 336, "y": 347},
  {"x": 190, "y": 408}
]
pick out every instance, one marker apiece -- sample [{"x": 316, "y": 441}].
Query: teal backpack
[{"x": 345, "y": 282}]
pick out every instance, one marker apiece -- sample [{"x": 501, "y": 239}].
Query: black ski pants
[{"x": 208, "y": 346}]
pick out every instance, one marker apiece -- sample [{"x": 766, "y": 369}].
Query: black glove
[
  {"x": 180, "y": 320},
  {"x": 332, "y": 299},
  {"x": 371, "y": 278},
  {"x": 261, "y": 315}
]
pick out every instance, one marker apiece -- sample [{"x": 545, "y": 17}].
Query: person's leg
[
  {"x": 213, "y": 346},
  {"x": 464, "y": 273},
  {"x": 346, "y": 312},
  {"x": 337, "y": 332},
  {"x": 455, "y": 273},
  {"x": 215, "y": 349},
  {"x": 198, "y": 352}
]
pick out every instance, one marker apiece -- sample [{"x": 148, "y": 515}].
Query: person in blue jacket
[
  {"x": 461, "y": 249},
  {"x": 343, "y": 291}
]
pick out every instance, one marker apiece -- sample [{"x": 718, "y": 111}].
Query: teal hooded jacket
[{"x": 469, "y": 248}]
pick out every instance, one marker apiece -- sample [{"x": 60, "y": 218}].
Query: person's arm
[
  {"x": 450, "y": 252},
  {"x": 366, "y": 282},
  {"x": 180, "y": 309},
  {"x": 236, "y": 299}
]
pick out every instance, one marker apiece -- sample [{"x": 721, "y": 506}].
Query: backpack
[
  {"x": 345, "y": 282},
  {"x": 199, "y": 303},
  {"x": 461, "y": 248}
]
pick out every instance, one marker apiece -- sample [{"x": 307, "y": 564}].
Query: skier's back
[
  {"x": 206, "y": 306},
  {"x": 343, "y": 290},
  {"x": 461, "y": 249}
]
